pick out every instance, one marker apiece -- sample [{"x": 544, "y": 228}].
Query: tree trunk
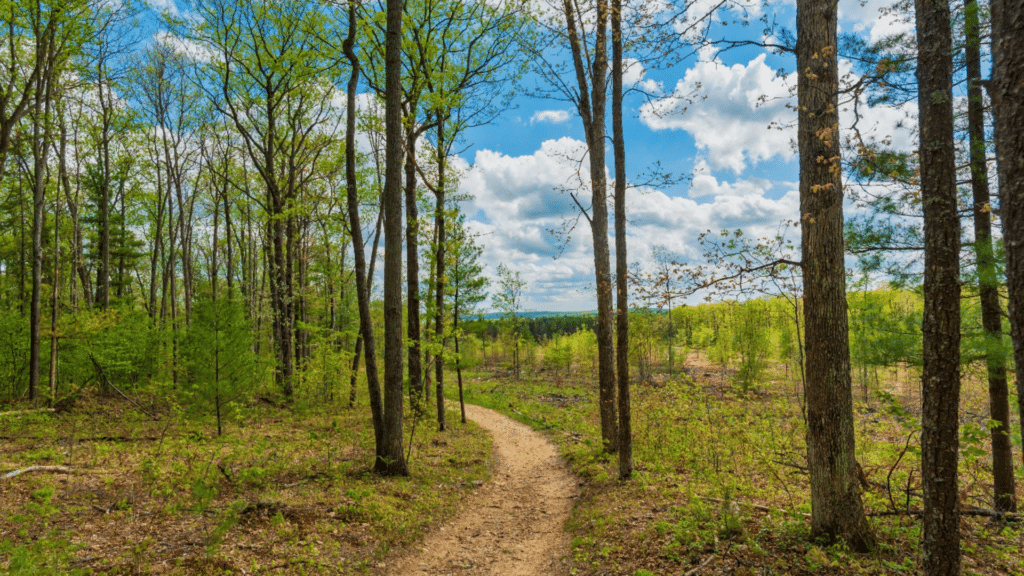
[
  {"x": 458, "y": 359},
  {"x": 1007, "y": 94},
  {"x": 940, "y": 544},
  {"x": 592, "y": 112},
  {"x": 837, "y": 511},
  {"x": 40, "y": 152},
  {"x": 362, "y": 279},
  {"x": 392, "y": 460},
  {"x": 412, "y": 263},
  {"x": 1004, "y": 493},
  {"x": 625, "y": 443},
  {"x": 367, "y": 280},
  {"x": 439, "y": 225}
]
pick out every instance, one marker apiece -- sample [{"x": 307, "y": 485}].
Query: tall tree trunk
[
  {"x": 1007, "y": 94},
  {"x": 625, "y": 443},
  {"x": 592, "y": 112},
  {"x": 40, "y": 153},
  {"x": 368, "y": 281},
  {"x": 439, "y": 226},
  {"x": 941, "y": 327},
  {"x": 412, "y": 264},
  {"x": 1004, "y": 493},
  {"x": 78, "y": 259},
  {"x": 837, "y": 511},
  {"x": 358, "y": 248},
  {"x": 213, "y": 251},
  {"x": 392, "y": 460},
  {"x": 54, "y": 302},
  {"x": 158, "y": 241},
  {"x": 184, "y": 222},
  {"x": 103, "y": 275}
]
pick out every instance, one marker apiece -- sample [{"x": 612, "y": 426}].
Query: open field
[{"x": 721, "y": 482}]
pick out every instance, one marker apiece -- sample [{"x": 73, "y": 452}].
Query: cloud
[
  {"x": 518, "y": 201},
  {"x": 188, "y": 48},
  {"x": 705, "y": 184},
  {"x": 742, "y": 115},
  {"x": 164, "y": 6},
  {"x": 876, "y": 17},
  {"x": 736, "y": 121},
  {"x": 552, "y": 116}
]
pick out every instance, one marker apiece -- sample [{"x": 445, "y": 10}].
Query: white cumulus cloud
[
  {"x": 736, "y": 115},
  {"x": 551, "y": 116}
]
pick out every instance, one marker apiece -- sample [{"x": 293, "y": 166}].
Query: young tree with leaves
[
  {"x": 468, "y": 287},
  {"x": 265, "y": 74},
  {"x": 217, "y": 351},
  {"x": 509, "y": 300}
]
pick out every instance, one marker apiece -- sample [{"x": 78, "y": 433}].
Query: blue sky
[
  {"x": 734, "y": 142},
  {"x": 737, "y": 147}
]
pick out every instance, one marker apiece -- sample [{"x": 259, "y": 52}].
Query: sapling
[{"x": 218, "y": 355}]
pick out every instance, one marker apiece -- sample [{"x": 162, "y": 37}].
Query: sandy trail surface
[{"x": 511, "y": 526}]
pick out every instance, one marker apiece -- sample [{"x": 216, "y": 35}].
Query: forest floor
[
  {"x": 286, "y": 490},
  {"x": 721, "y": 486},
  {"x": 513, "y": 525}
]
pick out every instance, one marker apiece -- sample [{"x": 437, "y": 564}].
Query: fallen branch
[
  {"x": 976, "y": 512},
  {"x": 111, "y": 384},
  {"x": 756, "y": 506},
  {"x": 21, "y": 471},
  {"x": 704, "y": 563},
  {"x": 20, "y": 412}
]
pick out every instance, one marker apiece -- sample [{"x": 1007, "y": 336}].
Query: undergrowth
[
  {"x": 721, "y": 480},
  {"x": 288, "y": 491}
]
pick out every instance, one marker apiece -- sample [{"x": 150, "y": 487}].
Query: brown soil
[{"x": 511, "y": 526}]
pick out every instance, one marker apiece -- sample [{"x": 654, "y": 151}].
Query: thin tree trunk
[
  {"x": 625, "y": 428},
  {"x": 55, "y": 295},
  {"x": 369, "y": 289},
  {"x": 836, "y": 508},
  {"x": 592, "y": 112},
  {"x": 439, "y": 227},
  {"x": 362, "y": 279},
  {"x": 940, "y": 544},
  {"x": 229, "y": 274},
  {"x": 412, "y": 272},
  {"x": 1007, "y": 93},
  {"x": 1004, "y": 493}
]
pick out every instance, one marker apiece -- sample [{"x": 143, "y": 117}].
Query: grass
[
  {"x": 721, "y": 479},
  {"x": 287, "y": 491}
]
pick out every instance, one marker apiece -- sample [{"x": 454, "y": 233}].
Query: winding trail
[{"x": 511, "y": 526}]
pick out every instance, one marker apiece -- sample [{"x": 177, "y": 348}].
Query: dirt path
[{"x": 511, "y": 526}]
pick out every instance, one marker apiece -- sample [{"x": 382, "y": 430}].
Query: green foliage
[
  {"x": 217, "y": 351},
  {"x": 751, "y": 338}
]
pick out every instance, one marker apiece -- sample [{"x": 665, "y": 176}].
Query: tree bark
[
  {"x": 592, "y": 112},
  {"x": 625, "y": 428},
  {"x": 941, "y": 327},
  {"x": 412, "y": 264},
  {"x": 1004, "y": 489},
  {"x": 1007, "y": 94},
  {"x": 837, "y": 511},
  {"x": 392, "y": 460},
  {"x": 439, "y": 226}
]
